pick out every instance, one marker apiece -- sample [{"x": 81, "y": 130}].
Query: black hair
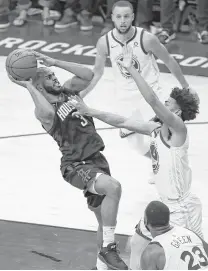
[
  {"x": 122, "y": 3},
  {"x": 157, "y": 214},
  {"x": 187, "y": 102}
]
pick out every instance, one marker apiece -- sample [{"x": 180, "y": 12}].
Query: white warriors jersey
[
  {"x": 144, "y": 62},
  {"x": 183, "y": 250},
  {"x": 171, "y": 170}
]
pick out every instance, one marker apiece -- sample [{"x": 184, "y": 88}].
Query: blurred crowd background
[{"x": 164, "y": 18}]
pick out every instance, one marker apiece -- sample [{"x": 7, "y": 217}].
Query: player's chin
[
  {"x": 57, "y": 88},
  {"x": 123, "y": 29}
]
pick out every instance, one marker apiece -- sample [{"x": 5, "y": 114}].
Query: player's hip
[{"x": 81, "y": 173}]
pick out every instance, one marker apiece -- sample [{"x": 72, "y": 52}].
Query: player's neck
[
  {"x": 124, "y": 37},
  {"x": 160, "y": 230},
  {"x": 54, "y": 99}
]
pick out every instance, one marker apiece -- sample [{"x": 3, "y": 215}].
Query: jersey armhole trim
[
  {"x": 155, "y": 131},
  {"x": 163, "y": 141},
  {"x": 50, "y": 131},
  {"x": 141, "y": 42},
  {"x": 155, "y": 243},
  {"x": 107, "y": 42}
]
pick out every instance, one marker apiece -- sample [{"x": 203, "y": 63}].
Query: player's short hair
[
  {"x": 187, "y": 102},
  {"x": 122, "y": 3},
  {"x": 157, "y": 214},
  {"x": 40, "y": 73}
]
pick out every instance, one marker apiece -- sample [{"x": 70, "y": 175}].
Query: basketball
[
  {"x": 21, "y": 64},
  {"x": 75, "y": 85}
]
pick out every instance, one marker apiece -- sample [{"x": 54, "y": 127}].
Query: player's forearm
[
  {"x": 43, "y": 107},
  {"x": 93, "y": 83},
  {"x": 77, "y": 69},
  {"x": 175, "y": 69},
  {"x": 109, "y": 118},
  {"x": 146, "y": 91}
]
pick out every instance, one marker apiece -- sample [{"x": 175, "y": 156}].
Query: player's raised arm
[
  {"x": 44, "y": 111},
  {"x": 99, "y": 66},
  {"x": 161, "y": 111},
  {"x": 114, "y": 119},
  {"x": 152, "y": 44},
  {"x": 77, "y": 69}
]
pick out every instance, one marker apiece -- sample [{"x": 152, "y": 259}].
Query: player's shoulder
[
  {"x": 153, "y": 257},
  {"x": 152, "y": 249},
  {"x": 102, "y": 41},
  {"x": 102, "y": 45},
  {"x": 149, "y": 40}
]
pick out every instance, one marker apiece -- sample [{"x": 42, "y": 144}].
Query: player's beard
[
  {"x": 123, "y": 32},
  {"x": 52, "y": 91}
]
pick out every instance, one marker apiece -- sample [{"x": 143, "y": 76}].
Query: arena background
[{"x": 45, "y": 223}]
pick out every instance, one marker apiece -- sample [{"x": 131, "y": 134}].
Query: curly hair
[{"x": 187, "y": 101}]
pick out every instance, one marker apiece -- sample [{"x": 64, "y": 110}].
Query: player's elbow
[
  {"x": 88, "y": 75},
  {"x": 120, "y": 125}
]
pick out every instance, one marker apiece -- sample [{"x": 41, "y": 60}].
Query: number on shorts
[{"x": 196, "y": 251}]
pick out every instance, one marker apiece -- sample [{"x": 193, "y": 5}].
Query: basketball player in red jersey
[{"x": 82, "y": 163}]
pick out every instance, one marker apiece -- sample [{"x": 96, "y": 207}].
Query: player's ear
[
  {"x": 133, "y": 16},
  {"x": 39, "y": 87},
  {"x": 178, "y": 112},
  {"x": 112, "y": 17}
]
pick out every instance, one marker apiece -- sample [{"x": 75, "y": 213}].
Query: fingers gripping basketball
[{"x": 21, "y": 64}]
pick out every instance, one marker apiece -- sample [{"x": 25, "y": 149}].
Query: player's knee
[
  {"x": 108, "y": 186},
  {"x": 114, "y": 188}
]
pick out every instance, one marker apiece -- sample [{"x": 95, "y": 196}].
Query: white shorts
[{"x": 186, "y": 213}]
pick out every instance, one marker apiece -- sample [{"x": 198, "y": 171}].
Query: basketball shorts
[
  {"x": 82, "y": 174},
  {"x": 186, "y": 212}
]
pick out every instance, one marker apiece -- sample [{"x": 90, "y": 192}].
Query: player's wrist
[
  {"x": 55, "y": 62},
  {"x": 186, "y": 86}
]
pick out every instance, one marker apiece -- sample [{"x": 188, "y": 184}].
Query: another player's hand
[
  {"x": 127, "y": 57},
  {"x": 79, "y": 104},
  {"x": 45, "y": 60}
]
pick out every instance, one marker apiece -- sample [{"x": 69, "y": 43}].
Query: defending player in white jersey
[
  {"x": 172, "y": 248},
  {"x": 169, "y": 152},
  {"x": 145, "y": 47}
]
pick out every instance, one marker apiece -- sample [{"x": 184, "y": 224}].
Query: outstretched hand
[
  {"x": 20, "y": 83},
  {"x": 44, "y": 60},
  {"x": 127, "y": 57},
  {"x": 79, "y": 104}
]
